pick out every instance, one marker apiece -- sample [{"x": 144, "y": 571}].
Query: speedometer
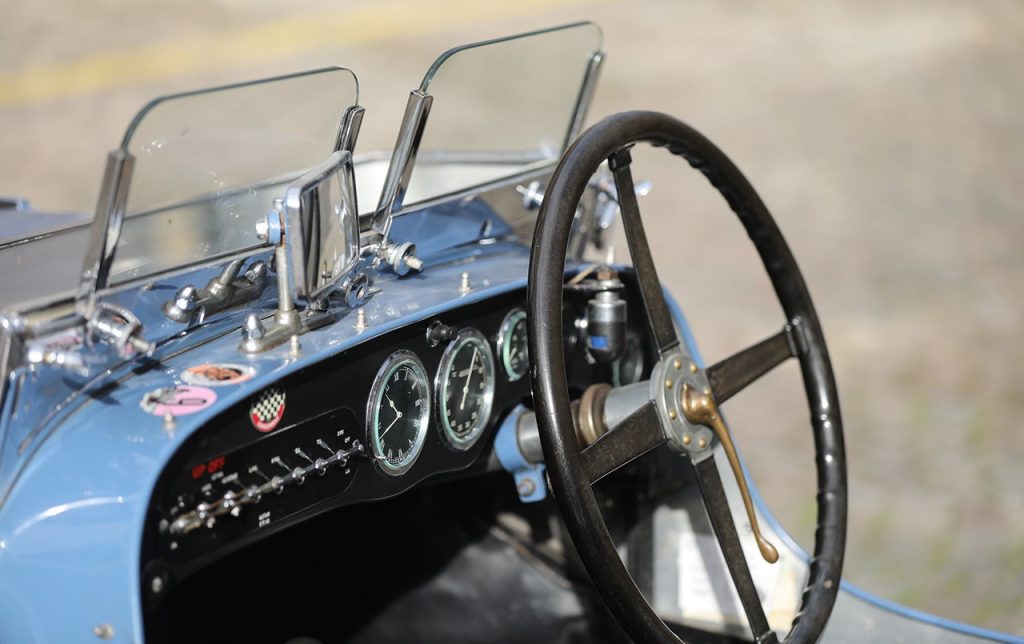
[
  {"x": 465, "y": 388},
  {"x": 398, "y": 412}
]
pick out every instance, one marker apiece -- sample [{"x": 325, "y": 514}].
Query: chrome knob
[
  {"x": 183, "y": 307},
  {"x": 253, "y": 328}
]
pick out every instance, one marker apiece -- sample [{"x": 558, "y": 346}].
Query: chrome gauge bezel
[
  {"x": 503, "y": 343},
  {"x": 465, "y": 336},
  {"x": 393, "y": 363}
]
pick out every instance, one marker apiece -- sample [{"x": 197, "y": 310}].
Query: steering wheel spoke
[
  {"x": 717, "y": 506},
  {"x": 658, "y": 317},
  {"x": 730, "y": 376},
  {"x": 637, "y": 434}
]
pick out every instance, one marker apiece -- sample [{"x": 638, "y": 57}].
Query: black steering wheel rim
[{"x": 608, "y": 140}]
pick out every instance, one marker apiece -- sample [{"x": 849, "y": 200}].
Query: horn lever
[{"x": 701, "y": 409}]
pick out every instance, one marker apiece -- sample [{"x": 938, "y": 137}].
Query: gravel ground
[{"x": 886, "y": 138}]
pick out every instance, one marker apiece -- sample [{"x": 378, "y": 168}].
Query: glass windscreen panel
[
  {"x": 209, "y": 164},
  {"x": 500, "y": 107}
]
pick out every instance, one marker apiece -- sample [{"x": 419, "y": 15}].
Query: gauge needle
[
  {"x": 469, "y": 375},
  {"x": 398, "y": 415}
]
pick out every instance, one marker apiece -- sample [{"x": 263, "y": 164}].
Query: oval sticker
[
  {"x": 178, "y": 400},
  {"x": 217, "y": 375}
]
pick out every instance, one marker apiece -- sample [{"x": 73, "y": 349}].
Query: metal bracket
[
  {"x": 531, "y": 483},
  {"x": 287, "y": 322},
  {"x": 585, "y": 97},
  {"x": 105, "y": 231},
  {"x": 256, "y": 338},
  {"x": 402, "y": 161}
]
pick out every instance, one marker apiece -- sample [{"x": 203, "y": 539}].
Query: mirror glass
[{"x": 322, "y": 227}]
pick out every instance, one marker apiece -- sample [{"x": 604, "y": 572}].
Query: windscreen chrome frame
[
  {"x": 110, "y": 209},
  {"x": 414, "y": 121}
]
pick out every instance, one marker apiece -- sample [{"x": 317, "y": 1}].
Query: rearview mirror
[{"x": 321, "y": 226}]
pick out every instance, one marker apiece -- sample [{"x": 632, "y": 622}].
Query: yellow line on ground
[{"x": 287, "y": 36}]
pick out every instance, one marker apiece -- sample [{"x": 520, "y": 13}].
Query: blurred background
[{"x": 886, "y": 138}]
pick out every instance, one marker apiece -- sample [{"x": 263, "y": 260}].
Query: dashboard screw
[
  {"x": 526, "y": 487},
  {"x": 103, "y": 631},
  {"x": 169, "y": 424}
]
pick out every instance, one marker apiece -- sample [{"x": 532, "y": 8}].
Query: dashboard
[{"x": 416, "y": 405}]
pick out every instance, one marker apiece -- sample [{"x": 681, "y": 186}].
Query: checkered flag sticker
[{"x": 267, "y": 409}]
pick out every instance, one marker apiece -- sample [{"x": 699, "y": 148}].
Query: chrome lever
[
  {"x": 227, "y": 290},
  {"x": 119, "y": 328}
]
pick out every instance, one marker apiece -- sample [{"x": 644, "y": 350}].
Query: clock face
[
  {"x": 465, "y": 388},
  {"x": 399, "y": 412}
]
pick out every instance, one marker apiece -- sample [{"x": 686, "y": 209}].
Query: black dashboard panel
[{"x": 324, "y": 413}]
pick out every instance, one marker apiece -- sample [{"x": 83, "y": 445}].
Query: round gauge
[
  {"x": 465, "y": 388},
  {"x": 630, "y": 367},
  {"x": 398, "y": 412},
  {"x": 513, "y": 349}
]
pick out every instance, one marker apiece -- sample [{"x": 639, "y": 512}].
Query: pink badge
[{"x": 178, "y": 401}]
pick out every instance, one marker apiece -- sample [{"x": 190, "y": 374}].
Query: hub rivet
[
  {"x": 668, "y": 383},
  {"x": 707, "y": 391},
  {"x": 678, "y": 364},
  {"x": 686, "y": 439},
  {"x": 702, "y": 442},
  {"x": 672, "y": 414},
  {"x": 693, "y": 367}
]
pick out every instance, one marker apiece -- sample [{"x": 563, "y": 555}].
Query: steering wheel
[{"x": 682, "y": 410}]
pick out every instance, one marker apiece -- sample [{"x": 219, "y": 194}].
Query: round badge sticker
[
  {"x": 267, "y": 409},
  {"x": 177, "y": 401},
  {"x": 217, "y": 375}
]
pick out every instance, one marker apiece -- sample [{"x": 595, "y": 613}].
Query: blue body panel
[{"x": 71, "y": 527}]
